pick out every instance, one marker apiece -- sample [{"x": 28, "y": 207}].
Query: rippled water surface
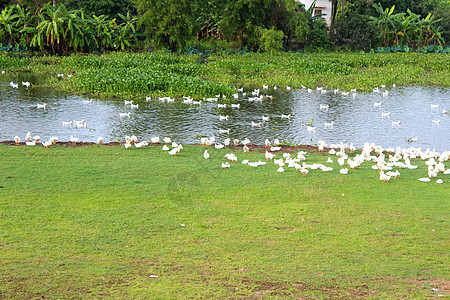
[{"x": 356, "y": 120}]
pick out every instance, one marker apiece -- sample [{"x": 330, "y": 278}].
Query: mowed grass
[{"x": 98, "y": 221}]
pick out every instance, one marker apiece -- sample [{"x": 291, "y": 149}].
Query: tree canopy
[{"x": 61, "y": 26}]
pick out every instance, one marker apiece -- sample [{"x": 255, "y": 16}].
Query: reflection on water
[{"x": 356, "y": 120}]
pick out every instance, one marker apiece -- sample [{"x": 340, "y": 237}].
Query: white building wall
[{"x": 324, "y": 5}]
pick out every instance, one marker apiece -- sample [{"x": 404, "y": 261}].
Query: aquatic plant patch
[{"x": 131, "y": 75}]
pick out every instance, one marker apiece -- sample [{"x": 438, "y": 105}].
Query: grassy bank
[
  {"x": 128, "y": 75},
  {"x": 98, "y": 221}
]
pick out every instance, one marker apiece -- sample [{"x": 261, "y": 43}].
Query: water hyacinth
[{"x": 158, "y": 74}]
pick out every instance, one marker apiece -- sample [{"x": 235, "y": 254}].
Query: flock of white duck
[{"x": 388, "y": 162}]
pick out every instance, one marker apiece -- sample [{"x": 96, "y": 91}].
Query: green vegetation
[
  {"x": 60, "y": 31},
  {"x": 98, "y": 221},
  {"x": 159, "y": 74},
  {"x": 399, "y": 29},
  {"x": 271, "y": 40},
  {"x": 69, "y": 26}
]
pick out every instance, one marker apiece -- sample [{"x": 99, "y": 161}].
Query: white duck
[
  {"x": 269, "y": 156},
  {"x": 206, "y": 154},
  {"x": 343, "y": 171},
  {"x": 246, "y": 141},
  {"x": 28, "y": 137},
  {"x": 174, "y": 151},
  {"x": 122, "y": 115},
  {"x": 73, "y": 139},
  {"x": 47, "y": 144},
  {"x": 329, "y": 125}
]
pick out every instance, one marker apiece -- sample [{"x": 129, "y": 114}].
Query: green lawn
[{"x": 98, "y": 221}]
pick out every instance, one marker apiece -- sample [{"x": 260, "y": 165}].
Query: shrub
[
  {"x": 318, "y": 37},
  {"x": 271, "y": 40}
]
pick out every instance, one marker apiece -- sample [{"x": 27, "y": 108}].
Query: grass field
[{"x": 100, "y": 221}]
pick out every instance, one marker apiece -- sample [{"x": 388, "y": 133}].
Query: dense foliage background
[{"x": 64, "y": 26}]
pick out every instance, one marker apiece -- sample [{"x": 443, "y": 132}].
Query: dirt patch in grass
[
  {"x": 439, "y": 286},
  {"x": 299, "y": 290},
  {"x": 252, "y": 148}
]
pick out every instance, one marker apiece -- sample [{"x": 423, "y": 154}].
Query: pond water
[{"x": 356, "y": 119}]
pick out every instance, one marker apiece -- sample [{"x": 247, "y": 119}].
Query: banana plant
[
  {"x": 7, "y": 21},
  {"x": 74, "y": 33},
  {"x": 51, "y": 25},
  {"x": 385, "y": 21},
  {"x": 432, "y": 34},
  {"x": 310, "y": 12},
  {"x": 126, "y": 31},
  {"x": 26, "y": 22},
  {"x": 103, "y": 30},
  {"x": 407, "y": 27}
]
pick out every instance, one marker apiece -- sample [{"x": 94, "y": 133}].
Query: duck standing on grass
[
  {"x": 384, "y": 177},
  {"x": 206, "y": 154},
  {"x": 28, "y": 137},
  {"x": 73, "y": 139}
]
